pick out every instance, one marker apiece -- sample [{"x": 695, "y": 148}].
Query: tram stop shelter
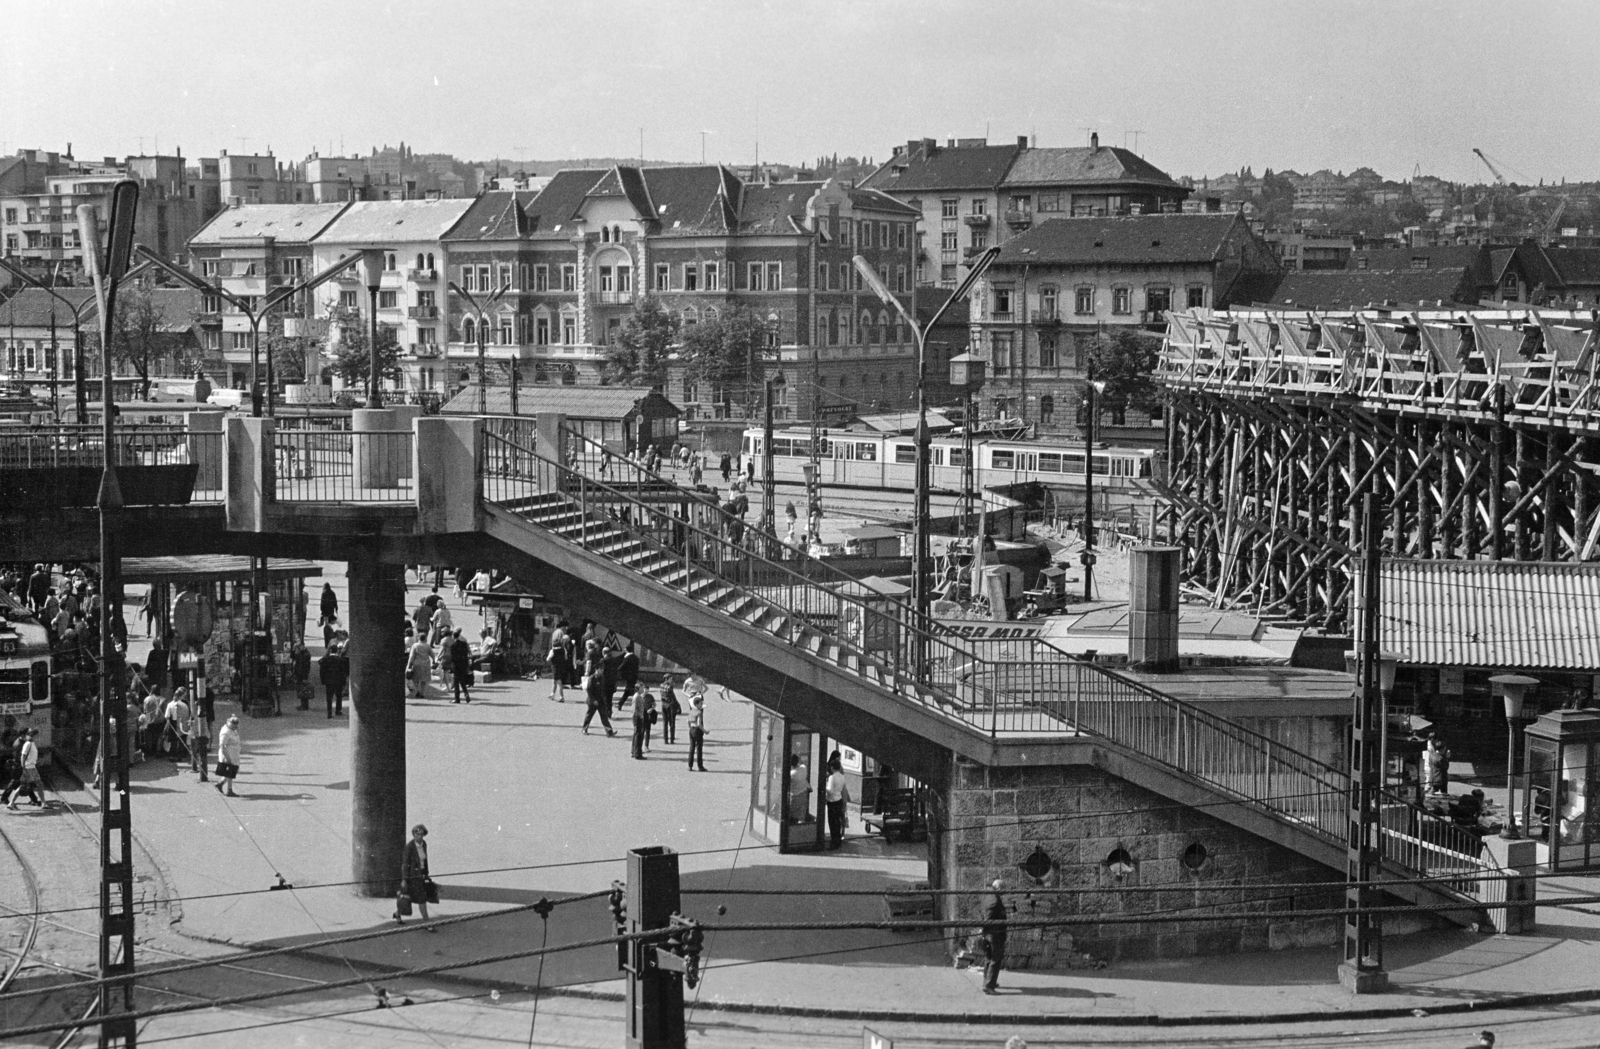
[{"x": 218, "y": 587}]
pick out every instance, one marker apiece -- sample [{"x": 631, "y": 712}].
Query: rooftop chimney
[
  {"x": 1022, "y": 141},
  {"x": 1153, "y": 608},
  {"x": 1094, "y": 141}
]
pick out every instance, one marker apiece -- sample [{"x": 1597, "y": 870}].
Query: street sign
[{"x": 871, "y": 1039}]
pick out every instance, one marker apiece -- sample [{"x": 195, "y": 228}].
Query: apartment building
[
  {"x": 972, "y": 195},
  {"x": 37, "y": 333},
  {"x": 251, "y": 251},
  {"x": 1054, "y": 289}
]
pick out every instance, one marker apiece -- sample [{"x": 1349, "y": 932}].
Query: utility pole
[
  {"x": 658, "y": 967},
  {"x": 116, "y": 825},
  {"x": 1362, "y": 971},
  {"x": 1090, "y": 417}
]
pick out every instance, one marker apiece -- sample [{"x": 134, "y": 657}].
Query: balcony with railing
[
  {"x": 1019, "y": 218},
  {"x": 1046, "y": 317},
  {"x": 415, "y": 274},
  {"x": 422, "y": 313},
  {"x": 613, "y": 298}
]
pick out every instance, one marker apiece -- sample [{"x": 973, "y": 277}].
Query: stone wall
[{"x": 990, "y": 822}]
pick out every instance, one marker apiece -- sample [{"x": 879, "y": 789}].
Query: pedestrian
[
  {"x": 611, "y": 671},
  {"x": 994, "y": 931},
  {"x": 229, "y": 750},
  {"x": 38, "y": 587},
  {"x": 329, "y": 605},
  {"x": 595, "y": 695},
  {"x": 642, "y": 713},
  {"x": 838, "y": 795},
  {"x": 605, "y": 465},
  {"x": 421, "y": 619},
  {"x": 460, "y": 667},
  {"x": 154, "y": 723},
  {"x": 799, "y": 790},
  {"x": 200, "y": 734},
  {"x": 628, "y": 674},
  {"x": 750, "y": 471},
  {"x": 28, "y": 762},
  {"x": 1436, "y": 765},
  {"x": 726, "y": 466},
  {"x": 147, "y": 612},
  {"x": 419, "y": 668},
  {"x": 442, "y": 624},
  {"x": 155, "y": 667},
  {"x": 176, "y": 716},
  {"x": 334, "y": 668},
  {"x": 414, "y": 873},
  {"x": 651, "y": 714},
  {"x": 697, "y": 732},
  {"x": 300, "y": 663},
  {"x": 669, "y": 713},
  {"x": 560, "y": 663},
  {"x": 463, "y": 580},
  {"x": 696, "y": 472},
  {"x": 302, "y": 604}
]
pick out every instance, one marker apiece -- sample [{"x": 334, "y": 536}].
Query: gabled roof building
[{"x": 973, "y": 195}]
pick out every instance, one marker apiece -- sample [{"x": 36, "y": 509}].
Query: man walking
[
  {"x": 200, "y": 734},
  {"x": 334, "y": 667},
  {"x": 300, "y": 661},
  {"x": 460, "y": 652},
  {"x": 697, "y": 732},
  {"x": 28, "y": 778},
  {"x": 642, "y": 712},
  {"x": 329, "y": 614},
  {"x": 994, "y": 931},
  {"x": 628, "y": 674}
]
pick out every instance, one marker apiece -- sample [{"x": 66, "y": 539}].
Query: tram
[
  {"x": 26, "y": 694},
  {"x": 888, "y": 461}
]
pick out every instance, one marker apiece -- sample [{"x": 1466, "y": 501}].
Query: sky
[{"x": 1201, "y": 87}]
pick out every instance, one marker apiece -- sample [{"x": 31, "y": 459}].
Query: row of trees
[{"x": 723, "y": 353}]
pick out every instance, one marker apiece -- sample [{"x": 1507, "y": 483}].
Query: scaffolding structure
[{"x": 1477, "y": 430}]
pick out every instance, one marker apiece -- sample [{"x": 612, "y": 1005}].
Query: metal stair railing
[{"x": 996, "y": 686}]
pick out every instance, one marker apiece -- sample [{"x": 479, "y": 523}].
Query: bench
[{"x": 899, "y": 809}]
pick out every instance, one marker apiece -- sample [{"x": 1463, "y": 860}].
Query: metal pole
[
  {"x": 1088, "y": 491},
  {"x": 1362, "y": 969},
  {"x": 55, "y": 369},
  {"x": 255, "y": 366},
  {"x": 1511, "y": 779},
  {"x": 374, "y": 380},
  {"x": 769, "y": 497},
  {"x": 483, "y": 390},
  {"x": 921, "y": 555}
]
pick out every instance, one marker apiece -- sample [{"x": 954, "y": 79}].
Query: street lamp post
[
  {"x": 81, "y": 384},
  {"x": 966, "y": 371},
  {"x": 372, "y": 274},
  {"x": 479, "y": 308},
  {"x": 1090, "y": 414},
  {"x": 255, "y": 316},
  {"x": 920, "y": 555},
  {"x": 1514, "y": 689},
  {"x": 769, "y": 495}
]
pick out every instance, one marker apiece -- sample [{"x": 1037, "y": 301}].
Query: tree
[
  {"x": 724, "y": 352},
  {"x": 142, "y": 335},
  {"x": 1125, "y": 360},
  {"x": 639, "y": 356},
  {"x": 352, "y": 355}
]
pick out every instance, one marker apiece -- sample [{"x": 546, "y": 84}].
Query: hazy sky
[{"x": 1210, "y": 84}]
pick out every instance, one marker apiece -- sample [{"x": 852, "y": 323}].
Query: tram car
[
  {"x": 26, "y": 692},
  {"x": 888, "y": 461}
]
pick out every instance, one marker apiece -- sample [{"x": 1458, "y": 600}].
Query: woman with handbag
[
  {"x": 415, "y": 885},
  {"x": 229, "y": 749}
]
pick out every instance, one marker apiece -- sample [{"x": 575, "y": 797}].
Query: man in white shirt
[
  {"x": 838, "y": 795},
  {"x": 29, "y": 780},
  {"x": 177, "y": 718}
]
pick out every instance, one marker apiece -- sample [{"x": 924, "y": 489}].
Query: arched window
[
  {"x": 616, "y": 234},
  {"x": 711, "y": 315},
  {"x": 605, "y": 234},
  {"x": 883, "y": 327},
  {"x": 419, "y": 261},
  {"x": 864, "y": 333},
  {"x": 469, "y": 331},
  {"x": 430, "y": 260},
  {"x": 1047, "y": 409},
  {"x": 690, "y": 316},
  {"x": 389, "y": 262}
]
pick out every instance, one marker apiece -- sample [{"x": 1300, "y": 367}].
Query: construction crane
[
  {"x": 1499, "y": 179},
  {"x": 1555, "y": 217}
]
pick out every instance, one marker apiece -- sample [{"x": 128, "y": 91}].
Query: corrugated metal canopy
[
  {"x": 1538, "y": 615},
  {"x": 209, "y": 567}
]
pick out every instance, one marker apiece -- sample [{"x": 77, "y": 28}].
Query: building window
[
  {"x": 569, "y": 277},
  {"x": 950, "y": 207},
  {"x": 508, "y": 334},
  {"x": 1121, "y": 300},
  {"x": 484, "y": 279},
  {"x": 387, "y": 300},
  {"x": 755, "y": 276},
  {"x": 208, "y": 267},
  {"x": 1197, "y": 297},
  {"x": 883, "y": 234},
  {"x": 1157, "y": 300},
  {"x": 1047, "y": 410},
  {"x": 822, "y": 276},
  {"x": 1047, "y": 351},
  {"x": 427, "y": 337},
  {"x": 844, "y": 276},
  {"x": 980, "y": 239},
  {"x": 469, "y": 278},
  {"x": 1001, "y": 355},
  {"x": 949, "y": 240},
  {"x": 1508, "y": 287},
  {"x": 1047, "y": 302},
  {"x": 569, "y": 329},
  {"x": 713, "y": 277},
  {"x": 774, "y": 276},
  {"x": 541, "y": 277},
  {"x": 607, "y": 282},
  {"x": 522, "y": 275},
  {"x": 902, "y": 235},
  {"x": 210, "y": 303},
  {"x": 505, "y": 275},
  {"x": 1002, "y": 303},
  {"x": 241, "y": 340},
  {"x": 1083, "y": 301},
  {"x": 469, "y": 330},
  {"x": 625, "y": 280},
  {"x": 1052, "y": 201},
  {"x": 389, "y": 262},
  {"x": 663, "y": 277},
  {"x": 901, "y": 280},
  {"x": 541, "y": 330},
  {"x": 347, "y": 300},
  {"x": 980, "y": 206},
  {"x": 844, "y": 232},
  {"x": 691, "y": 277},
  {"x": 947, "y": 273}
]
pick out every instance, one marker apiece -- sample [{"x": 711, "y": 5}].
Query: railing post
[{"x": 583, "y": 508}]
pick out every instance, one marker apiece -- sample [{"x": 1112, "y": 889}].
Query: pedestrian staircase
[{"x": 984, "y": 691}]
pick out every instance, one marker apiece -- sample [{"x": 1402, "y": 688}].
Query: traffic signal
[{"x": 619, "y": 918}]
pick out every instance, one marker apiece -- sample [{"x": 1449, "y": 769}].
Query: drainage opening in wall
[
  {"x": 1119, "y": 863},
  {"x": 1194, "y": 857}
]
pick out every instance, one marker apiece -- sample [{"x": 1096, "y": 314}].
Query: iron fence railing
[{"x": 342, "y": 466}]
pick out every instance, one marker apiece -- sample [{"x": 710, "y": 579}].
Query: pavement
[{"x": 522, "y": 806}]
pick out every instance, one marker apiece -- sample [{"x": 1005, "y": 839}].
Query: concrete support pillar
[
  {"x": 378, "y": 829},
  {"x": 375, "y": 459},
  {"x": 405, "y": 415}
]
